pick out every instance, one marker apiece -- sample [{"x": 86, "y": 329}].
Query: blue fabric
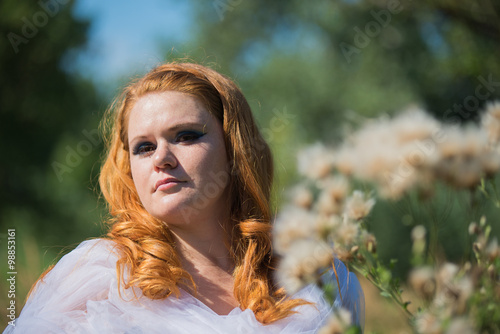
[{"x": 351, "y": 295}]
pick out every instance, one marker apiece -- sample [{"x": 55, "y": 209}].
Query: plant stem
[{"x": 395, "y": 294}]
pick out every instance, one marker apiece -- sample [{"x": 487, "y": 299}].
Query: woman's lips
[{"x": 166, "y": 184}]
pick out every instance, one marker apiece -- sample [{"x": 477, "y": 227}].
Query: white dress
[{"x": 80, "y": 295}]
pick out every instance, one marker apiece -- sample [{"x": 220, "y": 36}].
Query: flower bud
[
  {"x": 492, "y": 272},
  {"x": 423, "y": 282},
  {"x": 418, "y": 233},
  {"x": 371, "y": 243},
  {"x": 493, "y": 251},
  {"x": 474, "y": 229},
  {"x": 477, "y": 247}
]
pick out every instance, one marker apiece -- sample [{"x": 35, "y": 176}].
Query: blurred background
[{"x": 310, "y": 70}]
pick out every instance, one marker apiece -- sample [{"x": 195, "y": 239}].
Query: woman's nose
[{"x": 164, "y": 157}]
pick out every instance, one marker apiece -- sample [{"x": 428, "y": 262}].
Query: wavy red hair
[{"x": 145, "y": 243}]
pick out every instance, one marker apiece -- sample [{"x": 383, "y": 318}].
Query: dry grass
[{"x": 383, "y": 316}]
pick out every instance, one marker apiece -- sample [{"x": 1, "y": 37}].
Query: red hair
[{"x": 146, "y": 244}]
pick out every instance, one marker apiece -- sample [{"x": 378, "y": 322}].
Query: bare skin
[{"x": 211, "y": 273}]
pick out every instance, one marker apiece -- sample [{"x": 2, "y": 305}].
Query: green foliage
[{"x": 44, "y": 110}]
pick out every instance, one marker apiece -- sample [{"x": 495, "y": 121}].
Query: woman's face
[{"x": 178, "y": 158}]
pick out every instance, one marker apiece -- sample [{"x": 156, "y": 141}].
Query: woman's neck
[
  {"x": 204, "y": 250},
  {"x": 209, "y": 263},
  {"x": 202, "y": 240}
]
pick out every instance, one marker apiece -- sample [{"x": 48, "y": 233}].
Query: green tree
[{"x": 49, "y": 137}]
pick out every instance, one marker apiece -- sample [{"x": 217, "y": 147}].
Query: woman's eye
[
  {"x": 187, "y": 136},
  {"x": 143, "y": 148}
]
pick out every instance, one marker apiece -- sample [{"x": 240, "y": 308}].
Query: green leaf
[
  {"x": 354, "y": 330},
  {"x": 385, "y": 294}
]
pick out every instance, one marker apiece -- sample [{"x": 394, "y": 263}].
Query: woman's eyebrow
[
  {"x": 184, "y": 125},
  {"x": 198, "y": 125}
]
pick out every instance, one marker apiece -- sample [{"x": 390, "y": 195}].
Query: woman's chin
[{"x": 177, "y": 215}]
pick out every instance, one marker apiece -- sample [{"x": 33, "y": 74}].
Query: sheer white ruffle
[{"x": 80, "y": 295}]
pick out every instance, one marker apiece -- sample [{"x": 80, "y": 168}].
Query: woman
[{"x": 187, "y": 178}]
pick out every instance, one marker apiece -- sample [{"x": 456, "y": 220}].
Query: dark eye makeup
[
  {"x": 186, "y": 136},
  {"x": 144, "y": 148}
]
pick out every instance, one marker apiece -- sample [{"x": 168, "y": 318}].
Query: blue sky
[{"x": 125, "y": 37}]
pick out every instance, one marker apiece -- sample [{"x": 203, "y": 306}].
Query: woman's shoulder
[
  {"x": 87, "y": 267},
  {"x": 91, "y": 252},
  {"x": 91, "y": 259},
  {"x": 97, "y": 246}
]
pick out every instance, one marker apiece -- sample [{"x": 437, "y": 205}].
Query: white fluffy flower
[
  {"x": 393, "y": 154},
  {"x": 453, "y": 291},
  {"x": 465, "y": 157},
  {"x": 301, "y": 196},
  {"x": 428, "y": 323},
  {"x": 315, "y": 161},
  {"x": 346, "y": 234},
  {"x": 414, "y": 124},
  {"x": 300, "y": 265},
  {"x": 333, "y": 193},
  {"x": 294, "y": 223},
  {"x": 491, "y": 122},
  {"x": 447, "y": 273},
  {"x": 423, "y": 281},
  {"x": 358, "y": 206},
  {"x": 413, "y": 150}
]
